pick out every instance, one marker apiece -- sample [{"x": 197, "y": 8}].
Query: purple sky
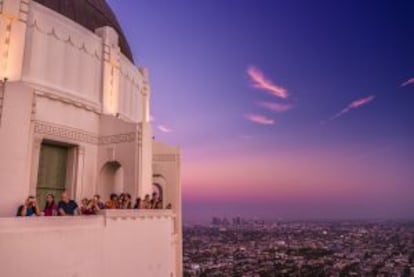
[{"x": 291, "y": 109}]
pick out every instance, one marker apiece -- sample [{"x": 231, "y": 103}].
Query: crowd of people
[{"x": 67, "y": 206}]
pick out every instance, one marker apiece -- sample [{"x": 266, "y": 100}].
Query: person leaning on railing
[
  {"x": 29, "y": 208},
  {"x": 147, "y": 202},
  {"x": 138, "y": 203},
  {"x": 88, "y": 206},
  {"x": 50, "y": 206},
  {"x": 113, "y": 203},
  {"x": 67, "y": 206}
]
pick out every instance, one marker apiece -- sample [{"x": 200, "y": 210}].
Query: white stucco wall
[{"x": 118, "y": 243}]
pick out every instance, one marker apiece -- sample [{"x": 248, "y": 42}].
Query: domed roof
[{"x": 91, "y": 14}]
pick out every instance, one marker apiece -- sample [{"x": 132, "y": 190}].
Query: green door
[{"x": 52, "y": 172}]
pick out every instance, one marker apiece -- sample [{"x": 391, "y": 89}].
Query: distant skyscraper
[{"x": 216, "y": 221}]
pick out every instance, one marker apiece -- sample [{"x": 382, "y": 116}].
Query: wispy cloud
[
  {"x": 408, "y": 82},
  {"x": 260, "y": 119},
  {"x": 275, "y": 107},
  {"x": 259, "y": 81},
  {"x": 164, "y": 129},
  {"x": 354, "y": 105}
]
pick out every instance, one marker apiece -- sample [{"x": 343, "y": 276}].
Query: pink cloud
[
  {"x": 275, "y": 107},
  {"x": 260, "y": 119},
  {"x": 354, "y": 105},
  {"x": 408, "y": 82},
  {"x": 164, "y": 129},
  {"x": 360, "y": 102},
  {"x": 259, "y": 81}
]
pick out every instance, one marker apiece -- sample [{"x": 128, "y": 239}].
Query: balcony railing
[{"x": 10, "y": 224}]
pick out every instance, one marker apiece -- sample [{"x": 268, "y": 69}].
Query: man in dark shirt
[
  {"x": 67, "y": 206},
  {"x": 29, "y": 208}
]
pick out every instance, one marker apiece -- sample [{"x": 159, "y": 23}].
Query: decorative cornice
[
  {"x": 66, "y": 100},
  {"x": 78, "y": 135},
  {"x": 119, "y": 138},
  {"x": 66, "y": 133}
]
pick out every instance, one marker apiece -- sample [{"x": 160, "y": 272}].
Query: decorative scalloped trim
[{"x": 68, "y": 40}]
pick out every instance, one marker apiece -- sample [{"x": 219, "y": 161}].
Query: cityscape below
[{"x": 260, "y": 248}]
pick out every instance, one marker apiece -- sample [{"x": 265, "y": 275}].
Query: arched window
[
  {"x": 159, "y": 187},
  {"x": 156, "y": 188}
]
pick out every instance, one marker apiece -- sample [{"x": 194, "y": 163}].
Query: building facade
[{"x": 75, "y": 116}]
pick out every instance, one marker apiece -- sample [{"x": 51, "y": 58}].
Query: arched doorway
[
  {"x": 111, "y": 179},
  {"x": 159, "y": 187}
]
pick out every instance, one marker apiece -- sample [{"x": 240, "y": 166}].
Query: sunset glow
[{"x": 246, "y": 94}]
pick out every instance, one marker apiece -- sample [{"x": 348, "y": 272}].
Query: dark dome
[{"x": 91, "y": 14}]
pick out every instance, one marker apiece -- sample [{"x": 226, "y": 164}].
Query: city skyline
[{"x": 283, "y": 109}]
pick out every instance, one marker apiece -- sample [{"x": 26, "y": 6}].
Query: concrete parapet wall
[{"x": 115, "y": 243}]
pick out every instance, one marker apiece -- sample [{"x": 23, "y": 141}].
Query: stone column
[
  {"x": 110, "y": 77},
  {"x": 145, "y": 160},
  {"x": 2, "y": 89},
  {"x": 37, "y": 144},
  {"x": 145, "y": 141},
  {"x": 78, "y": 184}
]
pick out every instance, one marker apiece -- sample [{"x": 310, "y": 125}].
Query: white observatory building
[{"x": 74, "y": 116}]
